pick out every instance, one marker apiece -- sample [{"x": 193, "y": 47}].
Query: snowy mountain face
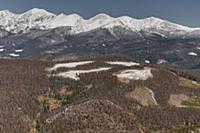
[
  {"x": 16, "y": 23},
  {"x": 7, "y": 20},
  {"x": 34, "y": 18},
  {"x": 63, "y": 20},
  {"x": 3, "y": 33},
  {"x": 41, "y": 19}
]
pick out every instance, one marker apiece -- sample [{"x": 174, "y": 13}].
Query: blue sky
[{"x": 186, "y": 12}]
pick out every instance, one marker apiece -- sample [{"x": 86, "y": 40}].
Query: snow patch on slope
[
  {"x": 147, "y": 61},
  {"x": 134, "y": 74},
  {"x": 14, "y": 55},
  {"x": 192, "y": 54},
  {"x": 69, "y": 65},
  {"x": 1, "y": 49},
  {"x": 75, "y": 74},
  {"x": 123, "y": 63},
  {"x": 19, "y": 50}
]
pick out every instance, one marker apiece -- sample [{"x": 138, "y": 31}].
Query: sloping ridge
[{"x": 95, "y": 112}]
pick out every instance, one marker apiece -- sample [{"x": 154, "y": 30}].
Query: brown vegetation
[
  {"x": 143, "y": 95},
  {"x": 176, "y": 100},
  {"x": 97, "y": 102}
]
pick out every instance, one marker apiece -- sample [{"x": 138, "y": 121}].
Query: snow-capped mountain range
[
  {"x": 42, "y": 19},
  {"x": 38, "y": 33}
]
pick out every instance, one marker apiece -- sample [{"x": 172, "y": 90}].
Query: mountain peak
[
  {"x": 74, "y": 15},
  {"x": 126, "y": 18},
  {"x": 101, "y": 16},
  {"x": 5, "y": 13},
  {"x": 64, "y": 20},
  {"x": 153, "y": 19},
  {"x": 37, "y": 12}
]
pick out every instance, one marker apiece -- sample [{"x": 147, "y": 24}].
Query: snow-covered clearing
[
  {"x": 147, "y": 61},
  {"x": 14, "y": 55},
  {"x": 122, "y": 63},
  {"x": 69, "y": 65},
  {"x": 134, "y": 74},
  {"x": 19, "y": 50},
  {"x": 74, "y": 74},
  {"x": 192, "y": 53},
  {"x": 1, "y": 49}
]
